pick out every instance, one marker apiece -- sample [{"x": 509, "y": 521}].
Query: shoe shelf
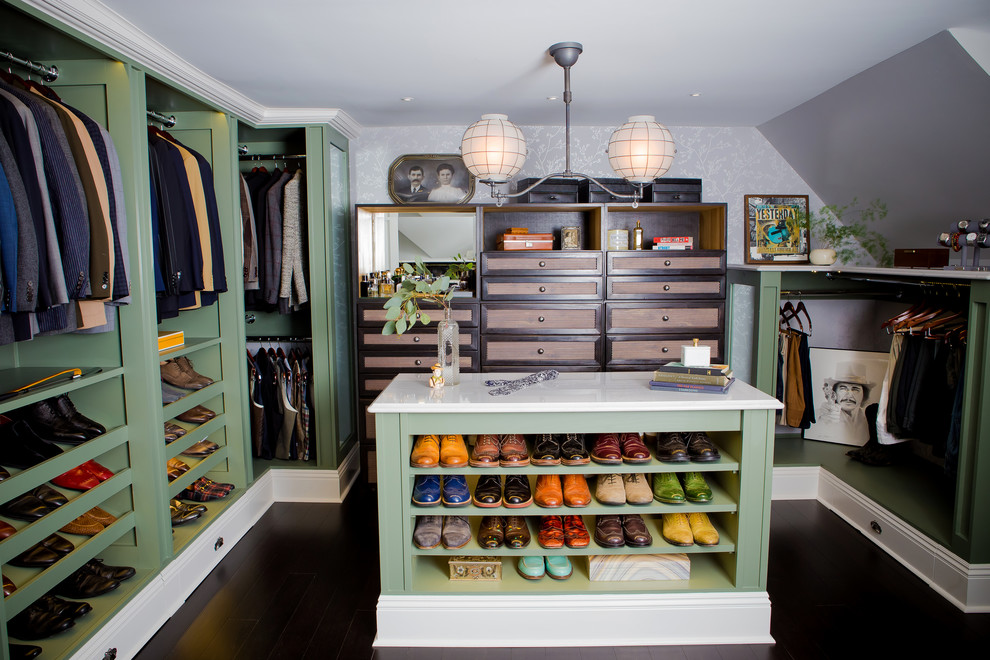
[
  {"x": 193, "y": 399},
  {"x": 20, "y": 376},
  {"x": 653, "y": 524},
  {"x": 183, "y": 535},
  {"x": 197, "y": 468},
  {"x": 191, "y": 345},
  {"x": 193, "y": 435},
  {"x": 431, "y": 575}
]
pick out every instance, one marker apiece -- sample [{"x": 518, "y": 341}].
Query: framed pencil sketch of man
[
  {"x": 845, "y": 386},
  {"x": 430, "y": 179}
]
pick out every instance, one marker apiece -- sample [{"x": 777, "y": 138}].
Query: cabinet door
[
  {"x": 699, "y": 262},
  {"x": 535, "y": 263},
  {"x": 640, "y": 352},
  {"x": 541, "y": 288},
  {"x": 535, "y": 318},
  {"x": 664, "y": 288},
  {"x": 664, "y": 318}
]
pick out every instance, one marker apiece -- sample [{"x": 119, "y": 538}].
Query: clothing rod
[
  {"x": 288, "y": 340},
  {"x": 273, "y": 156},
  {"x": 880, "y": 280},
  {"x": 167, "y": 122},
  {"x": 48, "y": 73},
  {"x": 838, "y": 293}
]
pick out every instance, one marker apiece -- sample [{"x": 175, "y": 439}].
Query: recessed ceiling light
[
  {"x": 695, "y": 94},
  {"x": 407, "y": 99},
  {"x": 551, "y": 98}
]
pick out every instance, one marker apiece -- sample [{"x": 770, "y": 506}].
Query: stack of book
[{"x": 675, "y": 377}]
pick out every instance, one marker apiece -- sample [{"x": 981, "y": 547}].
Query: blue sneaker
[
  {"x": 455, "y": 491},
  {"x": 426, "y": 490}
]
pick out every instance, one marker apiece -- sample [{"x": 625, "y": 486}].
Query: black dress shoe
[
  {"x": 672, "y": 448},
  {"x": 488, "y": 491},
  {"x": 23, "y": 651},
  {"x": 70, "y": 608},
  {"x": 36, "y": 623},
  {"x": 97, "y": 567},
  {"x": 573, "y": 450},
  {"x": 68, "y": 411},
  {"x": 27, "y": 507},
  {"x": 46, "y": 422},
  {"x": 50, "y": 496},
  {"x": 546, "y": 449},
  {"x": 16, "y": 452},
  {"x": 37, "y": 556},
  {"x": 517, "y": 491},
  {"x": 58, "y": 545},
  {"x": 84, "y": 585},
  {"x": 700, "y": 448}
]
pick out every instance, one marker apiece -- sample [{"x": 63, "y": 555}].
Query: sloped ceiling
[{"x": 913, "y": 131}]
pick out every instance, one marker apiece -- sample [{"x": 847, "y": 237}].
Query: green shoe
[
  {"x": 695, "y": 488},
  {"x": 531, "y": 568},
  {"x": 666, "y": 488}
]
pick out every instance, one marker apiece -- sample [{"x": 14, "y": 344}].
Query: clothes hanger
[
  {"x": 787, "y": 313},
  {"x": 801, "y": 308},
  {"x": 894, "y": 320}
]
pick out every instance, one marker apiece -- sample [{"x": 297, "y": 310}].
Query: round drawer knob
[
  {"x": 543, "y": 264},
  {"x": 419, "y": 362},
  {"x": 543, "y": 289},
  {"x": 665, "y": 349},
  {"x": 541, "y": 319},
  {"x": 666, "y": 287},
  {"x": 540, "y": 351},
  {"x": 416, "y": 339},
  {"x": 666, "y": 318},
  {"x": 667, "y": 262},
  {"x": 553, "y": 198}
]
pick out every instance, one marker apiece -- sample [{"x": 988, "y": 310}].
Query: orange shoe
[
  {"x": 453, "y": 451},
  {"x": 548, "y": 492},
  {"x": 425, "y": 452},
  {"x": 576, "y": 491}
]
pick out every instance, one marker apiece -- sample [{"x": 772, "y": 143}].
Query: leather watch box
[
  {"x": 475, "y": 569},
  {"x": 629, "y": 568},
  {"x": 678, "y": 191},
  {"x": 525, "y": 242},
  {"x": 551, "y": 191}
]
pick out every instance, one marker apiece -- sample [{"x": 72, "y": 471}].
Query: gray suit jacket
[{"x": 27, "y": 245}]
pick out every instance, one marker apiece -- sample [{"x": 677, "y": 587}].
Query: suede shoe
[
  {"x": 696, "y": 488},
  {"x": 559, "y": 567},
  {"x": 425, "y": 452},
  {"x": 609, "y": 489},
  {"x": 672, "y": 448},
  {"x": 548, "y": 491},
  {"x": 702, "y": 529},
  {"x": 575, "y": 533},
  {"x": 700, "y": 448},
  {"x": 573, "y": 450},
  {"x": 516, "y": 532},
  {"x": 173, "y": 374},
  {"x": 635, "y": 532},
  {"x": 455, "y": 491},
  {"x": 607, "y": 450},
  {"x": 491, "y": 533},
  {"x": 453, "y": 451},
  {"x": 513, "y": 452},
  {"x": 426, "y": 534},
  {"x": 530, "y": 567},
  {"x": 486, "y": 451},
  {"x": 633, "y": 449},
  {"x": 426, "y": 490},
  {"x": 546, "y": 450},
  {"x": 608, "y": 531},
  {"x": 676, "y": 529},
  {"x": 637, "y": 489},
  {"x": 456, "y": 532},
  {"x": 551, "y": 534},
  {"x": 185, "y": 365},
  {"x": 666, "y": 488},
  {"x": 488, "y": 491},
  {"x": 171, "y": 394},
  {"x": 517, "y": 493},
  {"x": 576, "y": 491}
]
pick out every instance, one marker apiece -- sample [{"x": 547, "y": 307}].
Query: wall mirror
[{"x": 389, "y": 238}]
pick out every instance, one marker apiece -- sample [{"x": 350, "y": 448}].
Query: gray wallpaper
[{"x": 731, "y": 162}]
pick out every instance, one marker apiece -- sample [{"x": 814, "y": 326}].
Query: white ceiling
[{"x": 750, "y": 60}]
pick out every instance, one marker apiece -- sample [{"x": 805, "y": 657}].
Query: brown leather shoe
[
  {"x": 196, "y": 415},
  {"x": 491, "y": 534},
  {"x": 201, "y": 449},
  {"x": 551, "y": 534},
  {"x": 173, "y": 374},
  {"x": 453, "y": 451},
  {"x": 608, "y": 531},
  {"x": 606, "y": 450},
  {"x": 8, "y": 586},
  {"x": 185, "y": 364},
  {"x": 513, "y": 450},
  {"x": 634, "y": 529},
  {"x": 548, "y": 492},
  {"x": 425, "y": 452},
  {"x": 576, "y": 491},
  {"x": 575, "y": 533},
  {"x": 516, "y": 532},
  {"x": 486, "y": 451},
  {"x": 6, "y": 529},
  {"x": 633, "y": 449},
  {"x": 174, "y": 429}
]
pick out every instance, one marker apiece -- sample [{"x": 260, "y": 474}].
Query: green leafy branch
[
  {"x": 403, "y": 307},
  {"x": 831, "y": 229}
]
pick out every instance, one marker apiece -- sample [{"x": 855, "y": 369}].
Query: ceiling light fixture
[
  {"x": 407, "y": 99},
  {"x": 494, "y": 149}
]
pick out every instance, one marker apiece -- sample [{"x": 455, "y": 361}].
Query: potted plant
[{"x": 843, "y": 239}]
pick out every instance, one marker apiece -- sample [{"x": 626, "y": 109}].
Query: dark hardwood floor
[{"x": 303, "y": 584}]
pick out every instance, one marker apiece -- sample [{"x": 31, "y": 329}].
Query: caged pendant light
[{"x": 494, "y": 149}]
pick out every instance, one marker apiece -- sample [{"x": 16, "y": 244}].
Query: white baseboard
[
  {"x": 548, "y": 620},
  {"x": 967, "y": 586},
  {"x": 329, "y": 486}
]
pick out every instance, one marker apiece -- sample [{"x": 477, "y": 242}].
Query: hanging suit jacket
[
  {"x": 24, "y": 274},
  {"x": 292, "y": 287}
]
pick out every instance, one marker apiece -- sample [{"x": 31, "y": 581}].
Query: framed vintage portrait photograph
[
  {"x": 844, "y": 385},
  {"x": 776, "y": 229},
  {"x": 430, "y": 179}
]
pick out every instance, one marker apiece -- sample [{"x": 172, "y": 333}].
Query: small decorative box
[
  {"x": 170, "y": 339},
  {"x": 628, "y": 568},
  {"x": 696, "y": 355},
  {"x": 618, "y": 239},
  {"x": 476, "y": 569},
  {"x": 525, "y": 242}
]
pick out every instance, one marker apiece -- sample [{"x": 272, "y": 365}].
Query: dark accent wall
[{"x": 913, "y": 131}]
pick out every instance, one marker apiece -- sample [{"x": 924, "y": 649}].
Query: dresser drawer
[
  {"x": 418, "y": 340},
  {"x": 642, "y": 262},
  {"x": 662, "y": 287},
  {"x": 537, "y": 288},
  {"x": 371, "y": 382},
  {"x": 534, "y": 318},
  {"x": 534, "y": 263},
  {"x": 651, "y": 352},
  {"x": 371, "y": 313},
  {"x": 666, "y": 318},
  {"x": 578, "y": 350},
  {"x": 402, "y": 362}
]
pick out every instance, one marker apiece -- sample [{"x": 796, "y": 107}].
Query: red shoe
[
  {"x": 97, "y": 470},
  {"x": 575, "y": 533},
  {"x": 77, "y": 478}
]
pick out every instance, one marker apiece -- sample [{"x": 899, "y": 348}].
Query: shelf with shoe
[
  {"x": 190, "y": 346},
  {"x": 18, "y": 377}
]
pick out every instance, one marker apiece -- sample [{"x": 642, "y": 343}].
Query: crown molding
[{"x": 98, "y": 22}]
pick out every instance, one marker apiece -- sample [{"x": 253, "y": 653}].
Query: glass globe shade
[
  {"x": 493, "y": 148},
  {"x": 641, "y": 149}
]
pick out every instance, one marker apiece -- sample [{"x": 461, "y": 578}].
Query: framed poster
[
  {"x": 777, "y": 229},
  {"x": 844, "y": 384},
  {"x": 430, "y": 179}
]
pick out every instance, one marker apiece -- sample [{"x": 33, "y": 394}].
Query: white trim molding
[
  {"x": 550, "y": 620},
  {"x": 328, "y": 486},
  {"x": 795, "y": 483}
]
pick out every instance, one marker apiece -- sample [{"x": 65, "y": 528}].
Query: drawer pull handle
[
  {"x": 677, "y": 196},
  {"x": 543, "y": 289},
  {"x": 416, "y": 339},
  {"x": 667, "y": 262},
  {"x": 666, "y": 287},
  {"x": 875, "y": 526},
  {"x": 553, "y": 198},
  {"x": 665, "y": 349},
  {"x": 666, "y": 318},
  {"x": 541, "y": 319},
  {"x": 419, "y": 362},
  {"x": 540, "y": 351},
  {"x": 543, "y": 264}
]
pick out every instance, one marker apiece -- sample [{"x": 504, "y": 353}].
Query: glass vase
[{"x": 448, "y": 355}]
